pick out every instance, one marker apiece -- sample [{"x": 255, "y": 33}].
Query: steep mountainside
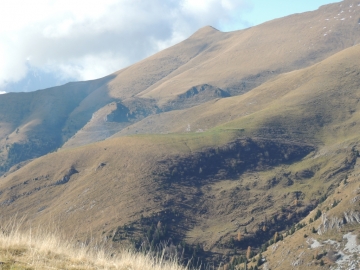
[
  {"x": 328, "y": 238},
  {"x": 232, "y": 62},
  {"x": 299, "y": 104},
  {"x": 207, "y": 66},
  {"x": 36, "y": 123},
  {"x": 266, "y": 169},
  {"x": 223, "y": 142}
]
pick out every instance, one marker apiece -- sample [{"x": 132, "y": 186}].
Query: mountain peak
[{"x": 205, "y": 31}]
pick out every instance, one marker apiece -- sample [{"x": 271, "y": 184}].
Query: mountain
[
  {"x": 221, "y": 64},
  {"x": 36, "y": 123},
  {"x": 211, "y": 146}
]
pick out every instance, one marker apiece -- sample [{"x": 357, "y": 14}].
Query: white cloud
[
  {"x": 83, "y": 40},
  {"x": 2, "y": 92}
]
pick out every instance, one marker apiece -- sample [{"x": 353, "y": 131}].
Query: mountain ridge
[{"x": 213, "y": 145}]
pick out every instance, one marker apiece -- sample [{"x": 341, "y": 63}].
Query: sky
[{"x": 44, "y": 43}]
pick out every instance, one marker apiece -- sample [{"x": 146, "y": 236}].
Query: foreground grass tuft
[{"x": 40, "y": 249}]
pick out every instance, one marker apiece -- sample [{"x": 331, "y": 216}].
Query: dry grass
[{"x": 43, "y": 249}]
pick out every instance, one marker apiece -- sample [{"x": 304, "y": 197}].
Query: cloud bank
[{"x": 82, "y": 40}]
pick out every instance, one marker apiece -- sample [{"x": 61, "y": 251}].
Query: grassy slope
[
  {"x": 318, "y": 103},
  {"x": 305, "y": 249},
  {"x": 235, "y": 62},
  {"x": 208, "y": 56},
  {"x": 119, "y": 180},
  {"x": 115, "y": 182},
  {"x": 256, "y": 54},
  {"x": 114, "y": 193}
]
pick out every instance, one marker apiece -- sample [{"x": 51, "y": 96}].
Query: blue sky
[
  {"x": 263, "y": 10},
  {"x": 44, "y": 43}
]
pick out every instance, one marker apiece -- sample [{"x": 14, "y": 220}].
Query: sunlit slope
[
  {"x": 211, "y": 64},
  {"x": 240, "y": 60},
  {"x": 208, "y": 65},
  {"x": 316, "y": 103},
  {"x": 138, "y": 77}
]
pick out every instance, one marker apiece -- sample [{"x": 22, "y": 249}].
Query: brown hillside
[
  {"x": 32, "y": 123},
  {"x": 232, "y": 62},
  {"x": 243, "y": 59},
  {"x": 207, "y": 186},
  {"x": 139, "y": 181},
  {"x": 329, "y": 242},
  {"x": 315, "y": 103},
  {"x": 261, "y": 128}
]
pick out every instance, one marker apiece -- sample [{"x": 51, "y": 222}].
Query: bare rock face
[
  {"x": 67, "y": 176},
  {"x": 352, "y": 217},
  {"x": 336, "y": 223},
  {"x": 194, "y": 96},
  {"x": 333, "y": 256},
  {"x": 329, "y": 223}
]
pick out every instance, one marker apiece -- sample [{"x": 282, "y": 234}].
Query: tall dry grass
[{"x": 45, "y": 249}]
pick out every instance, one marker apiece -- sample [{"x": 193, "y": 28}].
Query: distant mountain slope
[
  {"x": 233, "y": 63},
  {"x": 33, "y": 124},
  {"x": 323, "y": 96},
  {"x": 243, "y": 59},
  {"x": 291, "y": 142}
]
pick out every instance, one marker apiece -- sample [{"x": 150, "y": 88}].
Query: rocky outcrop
[
  {"x": 66, "y": 177},
  {"x": 329, "y": 223},
  {"x": 336, "y": 223},
  {"x": 194, "y": 96}
]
